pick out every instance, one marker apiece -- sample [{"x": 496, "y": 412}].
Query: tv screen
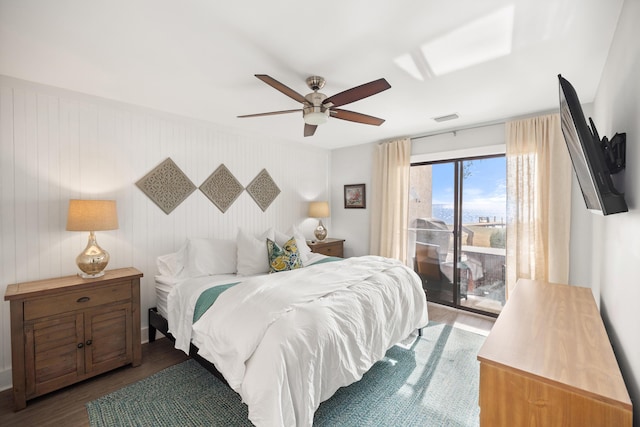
[{"x": 588, "y": 156}]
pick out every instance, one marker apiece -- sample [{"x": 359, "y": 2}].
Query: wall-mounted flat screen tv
[{"x": 594, "y": 160}]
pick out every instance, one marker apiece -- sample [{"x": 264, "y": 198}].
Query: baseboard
[
  {"x": 145, "y": 335},
  {"x": 5, "y": 380}
]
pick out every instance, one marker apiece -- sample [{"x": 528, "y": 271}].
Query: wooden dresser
[
  {"x": 329, "y": 247},
  {"x": 68, "y": 329},
  {"x": 548, "y": 362}
]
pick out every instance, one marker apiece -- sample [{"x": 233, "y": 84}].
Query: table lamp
[
  {"x": 319, "y": 210},
  {"x": 91, "y": 216}
]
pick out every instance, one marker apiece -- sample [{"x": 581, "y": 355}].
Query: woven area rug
[{"x": 432, "y": 383}]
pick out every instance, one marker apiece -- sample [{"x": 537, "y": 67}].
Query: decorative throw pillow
[
  {"x": 301, "y": 242},
  {"x": 303, "y": 248},
  {"x": 283, "y": 258}
]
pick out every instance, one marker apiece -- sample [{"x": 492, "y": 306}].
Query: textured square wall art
[
  {"x": 166, "y": 185},
  {"x": 263, "y": 189},
  {"x": 222, "y": 188}
]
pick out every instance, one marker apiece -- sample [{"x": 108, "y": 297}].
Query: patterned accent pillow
[{"x": 283, "y": 258}]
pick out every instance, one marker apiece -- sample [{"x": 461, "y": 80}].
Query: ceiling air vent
[{"x": 446, "y": 118}]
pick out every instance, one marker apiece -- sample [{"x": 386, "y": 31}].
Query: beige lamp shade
[
  {"x": 92, "y": 215},
  {"x": 319, "y": 209}
]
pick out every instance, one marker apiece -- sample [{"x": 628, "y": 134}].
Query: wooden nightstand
[
  {"x": 68, "y": 329},
  {"x": 329, "y": 247}
]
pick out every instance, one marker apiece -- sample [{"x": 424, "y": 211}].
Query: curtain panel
[
  {"x": 538, "y": 201},
  {"x": 390, "y": 199}
]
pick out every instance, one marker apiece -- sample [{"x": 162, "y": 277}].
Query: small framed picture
[{"x": 355, "y": 196}]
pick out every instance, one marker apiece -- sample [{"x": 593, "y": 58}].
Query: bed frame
[{"x": 158, "y": 323}]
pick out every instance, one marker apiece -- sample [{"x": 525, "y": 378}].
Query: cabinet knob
[
  {"x": 80, "y": 345},
  {"x": 89, "y": 342},
  {"x": 83, "y": 299}
]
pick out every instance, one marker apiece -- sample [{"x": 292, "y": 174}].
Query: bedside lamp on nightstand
[
  {"x": 319, "y": 210},
  {"x": 92, "y": 215}
]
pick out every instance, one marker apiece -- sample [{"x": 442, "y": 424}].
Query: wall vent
[{"x": 446, "y": 118}]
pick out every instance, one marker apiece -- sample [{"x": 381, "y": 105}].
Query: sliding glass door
[{"x": 457, "y": 212}]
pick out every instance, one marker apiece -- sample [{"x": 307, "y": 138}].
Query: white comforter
[
  {"x": 287, "y": 341},
  {"x": 181, "y": 304}
]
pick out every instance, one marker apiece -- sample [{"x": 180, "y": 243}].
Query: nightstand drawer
[
  {"x": 71, "y": 301},
  {"x": 333, "y": 250},
  {"x": 329, "y": 247}
]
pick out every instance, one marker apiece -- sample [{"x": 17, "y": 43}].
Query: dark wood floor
[{"x": 66, "y": 408}]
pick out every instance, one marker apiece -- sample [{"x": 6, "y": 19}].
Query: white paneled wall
[{"x": 56, "y": 145}]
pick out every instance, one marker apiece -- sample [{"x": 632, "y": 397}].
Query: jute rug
[{"x": 432, "y": 383}]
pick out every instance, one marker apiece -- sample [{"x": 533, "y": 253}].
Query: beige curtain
[
  {"x": 390, "y": 199},
  {"x": 538, "y": 201}
]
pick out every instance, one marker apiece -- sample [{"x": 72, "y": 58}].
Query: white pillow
[
  {"x": 281, "y": 238},
  {"x": 253, "y": 257},
  {"x": 206, "y": 257},
  {"x": 172, "y": 264}
]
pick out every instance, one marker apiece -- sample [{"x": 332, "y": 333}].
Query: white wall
[
  {"x": 56, "y": 145},
  {"x": 351, "y": 165},
  {"x": 616, "y": 244}
]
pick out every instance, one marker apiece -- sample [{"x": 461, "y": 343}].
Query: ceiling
[{"x": 198, "y": 58}]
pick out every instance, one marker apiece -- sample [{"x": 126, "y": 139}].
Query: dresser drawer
[{"x": 77, "y": 300}]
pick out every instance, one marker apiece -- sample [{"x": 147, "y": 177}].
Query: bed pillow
[
  {"x": 253, "y": 257},
  {"x": 303, "y": 249},
  {"x": 301, "y": 242},
  {"x": 283, "y": 258},
  {"x": 280, "y": 238},
  {"x": 172, "y": 264},
  {"x": 206, "y": 257}
]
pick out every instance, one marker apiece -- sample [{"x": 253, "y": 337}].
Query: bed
[{"x": 286, "y": 341}]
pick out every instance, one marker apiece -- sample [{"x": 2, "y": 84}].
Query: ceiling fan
[{"x": 316, "y": 107}]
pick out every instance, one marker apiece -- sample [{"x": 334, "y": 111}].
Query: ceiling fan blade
[
  {"x": 357, "y": 93},
  {"x": 355, "y": 117},
  {"x": 282, "y": 88},
  {"x": 272, "y": 113},
  {"x": 309, "y": 130}
]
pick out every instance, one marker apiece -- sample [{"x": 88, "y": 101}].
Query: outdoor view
[{"x": 479, "y": 268}]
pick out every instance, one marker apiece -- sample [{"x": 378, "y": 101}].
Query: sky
[{"x": 483, "y": 189}]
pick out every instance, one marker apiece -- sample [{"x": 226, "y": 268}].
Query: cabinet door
[
  {"x": 108, "y": 338},
  {"x": 54, "y": 355}
]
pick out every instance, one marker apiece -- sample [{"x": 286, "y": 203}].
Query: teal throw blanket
[{"x": 208, "y": 297}]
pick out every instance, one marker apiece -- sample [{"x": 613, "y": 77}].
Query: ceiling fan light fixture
[
  {"x": 316, "y": 107},
  {"x": 316, "y": 115}
]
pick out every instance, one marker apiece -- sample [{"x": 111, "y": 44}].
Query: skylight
[{"x": 480, "y": 41}]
